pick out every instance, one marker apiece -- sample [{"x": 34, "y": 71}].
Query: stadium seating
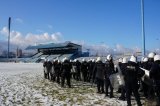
[
  {"x": 37, "y": 55},
  {"x": 69, "y": 56},
  {"x": 51, "y": 57}
]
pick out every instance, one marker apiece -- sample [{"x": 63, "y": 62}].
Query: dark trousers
[
  {"x": 52, "y": 77},
  {"x": 78, "y": 76},
  {"x": 84, "y": 76},
  {"x": 107, "y": 85},
  {"x": 151, "y": 92},
  {"x": 157, "y": 91},
  {"x": 100, "y": 85},
  {"x": 132, "y": 87},
  {"x": 90, "y": 76},
  {"x": 68, "y": 78},
  {"x": 46, "y": 75},
  {"x": 123, "y": 92},
  {"x": 58, "y": 77},
  {"x": 145, "y": 89}
]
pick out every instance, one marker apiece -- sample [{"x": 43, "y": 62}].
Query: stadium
[{"x": 53, "y": 51}]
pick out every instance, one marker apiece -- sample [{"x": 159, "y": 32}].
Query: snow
[{"x": 23, "y": 84}]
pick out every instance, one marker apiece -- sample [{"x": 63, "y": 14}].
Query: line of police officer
[
  {"x": 129, "y": 75},
  {"x": 144, "y": 75},
  {"x": 151, "y": 82}
]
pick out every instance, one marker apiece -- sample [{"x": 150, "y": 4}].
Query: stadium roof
[{"x": 52, "y": 45}]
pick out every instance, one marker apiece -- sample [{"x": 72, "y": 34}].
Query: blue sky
[{"x": 110, "y": 22}]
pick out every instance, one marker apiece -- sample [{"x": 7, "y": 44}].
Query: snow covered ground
[{"x": 22, "y": 84}]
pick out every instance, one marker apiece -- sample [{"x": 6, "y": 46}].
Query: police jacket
[
  {"x": 155, "y": 71},
  {"x": 49, "y": 65},
  {"x": 150, "y": 63},
  {"x": 84, "y": 67},
  {"x": 131, "y": 72},
  {"x": 146, "y": 65},
  {"x": 109, "y": 69},
  {"x": 123, "y": 68},
  {"x": 99, "y": 68},
  {"x": 66, "y": 67},
  {"x": 91, "y": 67},
  {"x": 78, "y": 65},
  {"x": 57, "y": 67},
  {"x": 45, "y": 64}
]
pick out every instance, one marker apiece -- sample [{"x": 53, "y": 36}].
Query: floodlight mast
[
  {"x": 143, "y": 28},
  {"x": 9, "y": 25}
]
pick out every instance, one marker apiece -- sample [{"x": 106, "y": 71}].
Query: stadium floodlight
[
  {"x": 143, "y": 29},
  {"x": 9, "y": 25}
]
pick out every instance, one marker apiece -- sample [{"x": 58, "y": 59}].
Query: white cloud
[
  {"x": 104, "y": 49},
  {"x": 21, "y": 40},
  {"x": 157, "y": 51},
  {"x": 57, "y": 36},
  {"x": 4, "y": 31},
  {"x": 121, "y": 49},
  {"x": 100, "y": 49},
  {"x": 19, "y": 20}
]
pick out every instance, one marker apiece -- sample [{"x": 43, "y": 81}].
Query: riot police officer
[
  {"x": 109, "y": 70},
  {"x": 90, "y": 68},
  {"x": 78, "y": 74},
  {"x": 84, "y": 70},
  {"x": 66, "y": 72},
  {"x": 99, "y": 70},
  {"x": 57, "y": 69},
  {"x": 131, "y": 80},
  {"x": 150, "y": 86},
  {"x": 150, "y": 59},
  {"x": 155, "y": 75},
  {"x": 145, "y": 85},
  {"x": 49, "y": 68},
  {"x": 93, "y": 72}
]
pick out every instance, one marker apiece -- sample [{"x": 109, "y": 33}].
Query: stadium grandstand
[{"x": 53, "y": 51}]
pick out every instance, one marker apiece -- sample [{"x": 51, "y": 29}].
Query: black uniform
[
  {"x": 78, "y": 74},
  {"x": 66, "y": 73},
  {"x": 155, "y": 75},
  {"x": 90, "y": 68},
  {"x": 144, "y": 84},
  {"x": 131, "y": 82},
  {"x": 150, "y": 87},
  {"x": 99, "y": 70},
  {"x": 57, "y": 69},
  {"x": 109, "y": 70},
  {"x": 94, "y": 74},
  {"x": 49, "y": 68},
  {"x": 84, "y": 70},
  {"x": 52, "y": 72}
]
